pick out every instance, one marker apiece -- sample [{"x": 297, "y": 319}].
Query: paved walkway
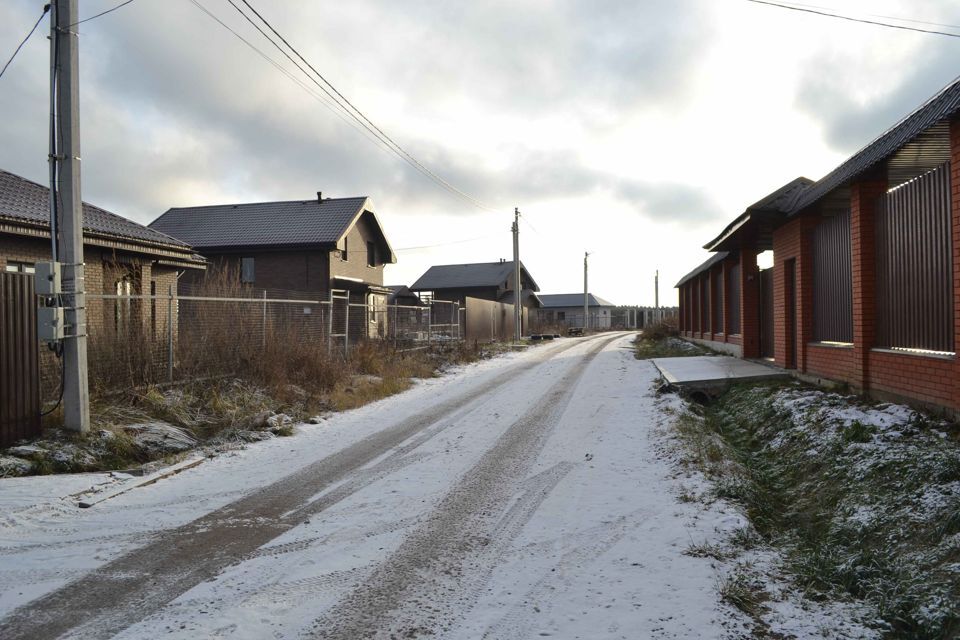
[{"x": 708, "y": 370}]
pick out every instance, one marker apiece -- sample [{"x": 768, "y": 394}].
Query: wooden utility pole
[
  {"x": 516, "y": 276},
  {"x": 65, "y": 66},
  {"x": 586, "y": 295}
]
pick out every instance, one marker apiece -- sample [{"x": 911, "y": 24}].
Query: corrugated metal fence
[
  {"x": 19, "y": 375},
  {"x": 914, "y": 265},
  {"x": 832, "y": 279}
]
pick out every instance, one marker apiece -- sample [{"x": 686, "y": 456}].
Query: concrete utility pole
[
  {"x": 516, "y": 276},
  {"x": 656, "y": 289},
  {"x": 76, "y": 396},
  {"x": 586, "y": 296}
]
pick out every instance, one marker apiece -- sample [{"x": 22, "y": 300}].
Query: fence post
[
  {"x": 429, "y": 324},
  {"x": 170, "y": 333},
  {"x": 346, "y": 326},
  {"x": 396, "y": 316},
  {"x": 263, "y": 342},
  {"x": 330, "y": 324}
]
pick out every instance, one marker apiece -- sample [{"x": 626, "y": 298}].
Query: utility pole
[
  {"x": 586, "y": 296},
  {"x": 76, "y": 396},
  {"x": 516, "y": 276},
  {"x": 656, "y": 294}
]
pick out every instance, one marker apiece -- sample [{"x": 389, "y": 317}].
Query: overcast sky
[{"x": 631, "y": 129}]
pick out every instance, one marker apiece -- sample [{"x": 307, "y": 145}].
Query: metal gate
[{"x": 19, "y": 366}]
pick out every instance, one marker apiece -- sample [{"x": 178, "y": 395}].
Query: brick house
[
  {"x": 865, "y": 282},
  {"x": 304, "y": 246},
  {"x": 121, "y": 257}
]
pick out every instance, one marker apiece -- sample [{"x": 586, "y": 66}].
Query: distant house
[
  {"x": 401, "y": 295},
  {"x": 567, "y": 309},
  {"x": 121, "y": 257},
  {"x": 484, "y": 280},
  {"x": 309, "y": 246}
]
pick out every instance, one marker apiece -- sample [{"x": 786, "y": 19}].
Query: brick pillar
[
  {"x": 725, "y": 276},
  {"x": 864, "y": 198},
  {"x": 749, "y": 304},
  {"x": 955, "y": 222}
]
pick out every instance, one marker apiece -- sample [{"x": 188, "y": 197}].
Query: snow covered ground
[{"x": 533, "y": 495}]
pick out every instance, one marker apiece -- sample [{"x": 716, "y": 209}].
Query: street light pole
[
  {"x": 517, "y": 330},
  {"x": 586, "y": 295}
]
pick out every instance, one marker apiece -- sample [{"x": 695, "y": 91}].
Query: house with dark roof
[
  {"x": 470, "y": 284},
  {"x": 566, "y": 309},
  {"x": 483, "y": 280},
  {"x": 121, "y": 257},
  {"x": 865, "y": 277},
  {"x": 307, "y": 246}
]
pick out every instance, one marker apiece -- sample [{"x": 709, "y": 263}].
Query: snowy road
[{"x": 522, "y": 497}]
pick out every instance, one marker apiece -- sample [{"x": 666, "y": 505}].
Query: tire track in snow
[
  {"x": 426, "y": 584},
  {"x": 137, "y": 584}
]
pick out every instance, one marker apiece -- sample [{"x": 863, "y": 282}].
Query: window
[
  {"x": 153, "y": 308},
  {"x": 371, "y": 254},
  {"x": 344, "y": 254},
  {"x": 561, "y": 315},
  {"x": 124, "y": 303},
  {"x": 247, "y": 271},
  {"x": 20, "y": 267}
]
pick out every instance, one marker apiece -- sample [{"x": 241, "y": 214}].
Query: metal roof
[
  {"x": 716, "y": 258},
  {"x": 779, "y": 202},
  {"x": 26, "y": 201},
  {"x": 465, "y": 276},
  {"x": 910, "y": 129},
  {"x": 262, "y": 224},
  {"x": 554, "y": 300},
  {"x": 527, "y": 296}
]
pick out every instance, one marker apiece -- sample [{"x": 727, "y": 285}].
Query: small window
[
  {"x": 345, "y": 253},
  {"x": 20, "y": 267},
  {"x": 561, "y": 315},
  {"x": 247, "y": 271},
  {"x": 371, "y": 254}
]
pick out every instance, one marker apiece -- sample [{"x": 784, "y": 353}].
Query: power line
[
  {"x": 444, "y": 244},
  {"x": 102, "y": 13},
  {"x": 46, "y": 8},
  {"x": 360, "y": 116},
  {"x": 319, "y": 98},
  {"x": 878, "y": 15},
  {"x": 851, "y": 19}
]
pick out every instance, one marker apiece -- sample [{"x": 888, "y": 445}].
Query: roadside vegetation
[
  {"x": 662, "y": 341},
  {"x": 156, "y": 424},
  {"x": 861, "y": 499}
]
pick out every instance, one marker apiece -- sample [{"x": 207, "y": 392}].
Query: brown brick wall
[{"x": 356, "y": 264}]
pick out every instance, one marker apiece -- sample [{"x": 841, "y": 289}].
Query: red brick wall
[
  {"x": 749, "y": 304},
  {"x": 831, "y": 362},
  {"x": 928, "y": 379}
]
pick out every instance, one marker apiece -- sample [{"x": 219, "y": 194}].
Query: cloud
[{"x": 856, "y": 100}]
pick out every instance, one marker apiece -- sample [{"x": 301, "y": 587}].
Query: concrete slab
[{"x": 714, "y": 370}]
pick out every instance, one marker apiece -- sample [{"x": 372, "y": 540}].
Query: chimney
[{"x": 319, "y": 196}]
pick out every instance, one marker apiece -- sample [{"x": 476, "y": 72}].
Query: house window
[
  {"x": 153, "y": 308},
  {"x": 561, "y": 315},
  {"x": 247, "y": 271},
  {"x": 124, "y": 303},
  {"x": 19, "y": 267},
  {"x": 345, "y": 253},
  {"x": 371, "y": 254}
]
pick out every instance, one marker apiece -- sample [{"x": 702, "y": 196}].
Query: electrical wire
[
  {"x": 444, "y": 244},
  {"x": 879, "y": 15},
  {"x": 102, "y": 13},
  {"x": 46, "y": 8},
  {"x": 851, "y": 19},
  {"x": 319, "y": 98},
  {"x": 353, "y": 111}
]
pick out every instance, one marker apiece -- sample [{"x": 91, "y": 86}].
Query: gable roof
[
  {"x": 573, "y": 300},
  {"x": 465, "y": 276},
  {"x": 288, "y": 223},
  {"x": 25, "y": 201},
  {"x": 934, "y": 111},
  {"x": 704, "y": 266}
]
